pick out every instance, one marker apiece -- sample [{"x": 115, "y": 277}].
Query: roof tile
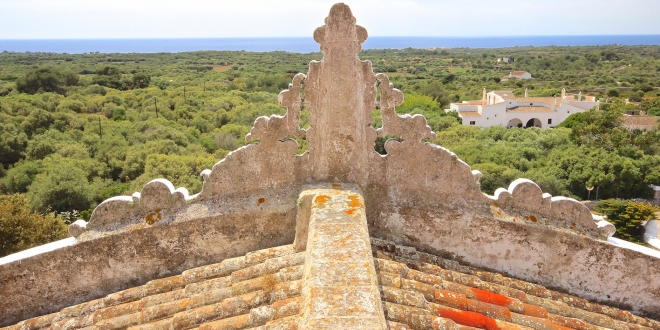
[
  {"x": 417, "y": 318},
  {"x": 425, "y": 289},
  {"x": 535, "y": 323},
  {"x": 514, "y": 305},
  {"x": 208, "y": 285},
  {"x": 529, "y": 304},
  {"x": 231, "y": 323},
  {"x": 286, "y": 307},
  {"x": 158, "y": 325},
  {"x": 164, "y": 285},
  {"x": 119, "y": 322},
  {"x": 73, "y": 323},
  {"x": 569, "y": 322},
  {"x": 490, "y": 310},
  {"x": 118, "y": 310},
  {"x": 389, "y": 279},
  {"x": 536, "y": 311},
  {"x": 81, "y": 309},
  {"x": 451, "y": 299},
  {"x": 287, "y": 323},
  {"x": 403, "y": 297}
]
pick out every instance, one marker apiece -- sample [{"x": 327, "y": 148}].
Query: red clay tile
[
  {"x": 459, "y": 288},
  {"x": 231, "y": 323},
  {"x": 425, "y": 289},
  {"x": 39, "y": 322},
  {"x": 398, "y": 326},
  {"x": 451, "y": 299},
  {"x": 73, "y": 323},
  {"x": 389, "y": 279},
  {"x": 287, "y": 323},
  {"x": 536, "y": 311},
  {"x": 498, "y": 299},
  {"x": 163, "y": 298},
  {"x": 81, "y": 309},
  {"x": 418, "y": 276},
  {"x": 124, "y": 296},
  {"x": 404, "y": 297},
  {"x": 559, "y": 327},
  {"x": 118, "y": 310},
  {"x": 285, "y": 290},
  {"x": 158, "y": 325},
  {"x": 416, "y": 318},
  {"x": 253, "y": 258},
  {"x": 389, "y": 266},
  {"x": 490, "y": 310},
  {"x": 569, "y": 322},
  {"x": 164, "y": 285},
  {"x": 207, "y": 285},
  {"x": 532, "y": 322},
  {"x": 471, "y": 319},
  {"x": 119, "y": 322},
  {"x": 287, "y": 307}
]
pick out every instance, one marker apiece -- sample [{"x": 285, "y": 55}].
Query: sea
[{"x": 308, "y": 45}]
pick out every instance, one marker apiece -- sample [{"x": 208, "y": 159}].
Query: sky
[{"x": 103, "y": 19}]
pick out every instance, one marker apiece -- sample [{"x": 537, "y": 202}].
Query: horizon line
[{"x": 374, "y": 36}]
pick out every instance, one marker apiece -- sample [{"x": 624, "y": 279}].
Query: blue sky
[{"x": 91, "y": 19}]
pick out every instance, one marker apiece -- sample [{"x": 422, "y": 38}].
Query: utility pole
[
  {"x": 156, "y": 105},
  {"x": 100, "y": 130}
]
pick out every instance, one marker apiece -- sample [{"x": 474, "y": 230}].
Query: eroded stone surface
[{"x": 339, "y": 277}]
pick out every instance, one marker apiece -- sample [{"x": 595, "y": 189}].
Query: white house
[
  {"x": 520, "y": 75},
  {"x": 502, "y": 108}
]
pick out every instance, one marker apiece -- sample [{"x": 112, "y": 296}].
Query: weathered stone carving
[
  {"x": 340, "y": 94},
  {"x": 525, "y": 197}
]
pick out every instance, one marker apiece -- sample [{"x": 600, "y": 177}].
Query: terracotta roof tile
[
  {"x": 530, "y": 109},
  {"x": 266, "y": 288},
  {"x": 470, "y": 297},
  {"x": 640, "y": 120},
  {"x": 469, "y": 114}
]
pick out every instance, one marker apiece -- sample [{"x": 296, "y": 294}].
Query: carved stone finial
[{"x": 340, "y": 95}]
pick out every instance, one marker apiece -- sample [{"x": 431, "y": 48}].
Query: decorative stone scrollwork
[
  {"x": 525, "y": 198},
  {"x": 271, "y": 129},
  {"x": 340, "y": 94},
  {"x": 410, "y": 129}
]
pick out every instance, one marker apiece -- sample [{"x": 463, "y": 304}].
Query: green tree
[
  {"x": 46, "y": 79},
  {"x": 21, "y": 229},
  {"x": 60, "y": 188},
  {"x": 627, "y": 217},
  {"x": 141, "y": 80}
]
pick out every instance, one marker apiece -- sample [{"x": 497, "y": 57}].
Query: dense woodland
[{"x": 77, "y": 129}]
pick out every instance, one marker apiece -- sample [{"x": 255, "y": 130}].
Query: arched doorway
[
  {"x": 534, "y": 122},
  {"x": 515, "y": 122}
]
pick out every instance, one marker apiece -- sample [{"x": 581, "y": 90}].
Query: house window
[
  {"x": 472, "y": 122},
  {"x": 549, "y": 121}
]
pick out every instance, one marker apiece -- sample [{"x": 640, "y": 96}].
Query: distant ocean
[{"x": 307, "y": 45}]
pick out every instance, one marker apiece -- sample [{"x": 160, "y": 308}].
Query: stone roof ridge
[{"x": 340, "y": 92}]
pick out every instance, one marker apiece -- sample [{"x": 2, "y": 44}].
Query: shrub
[
  {"x": 627, "y": 217},
  {"x": 21, "y": 229},
  {"x": 46, "y": 80}
]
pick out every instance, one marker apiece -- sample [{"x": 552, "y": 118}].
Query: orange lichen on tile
[
  {"x": 451, "y": 299},
  {"x": 500, "y": 301}
]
